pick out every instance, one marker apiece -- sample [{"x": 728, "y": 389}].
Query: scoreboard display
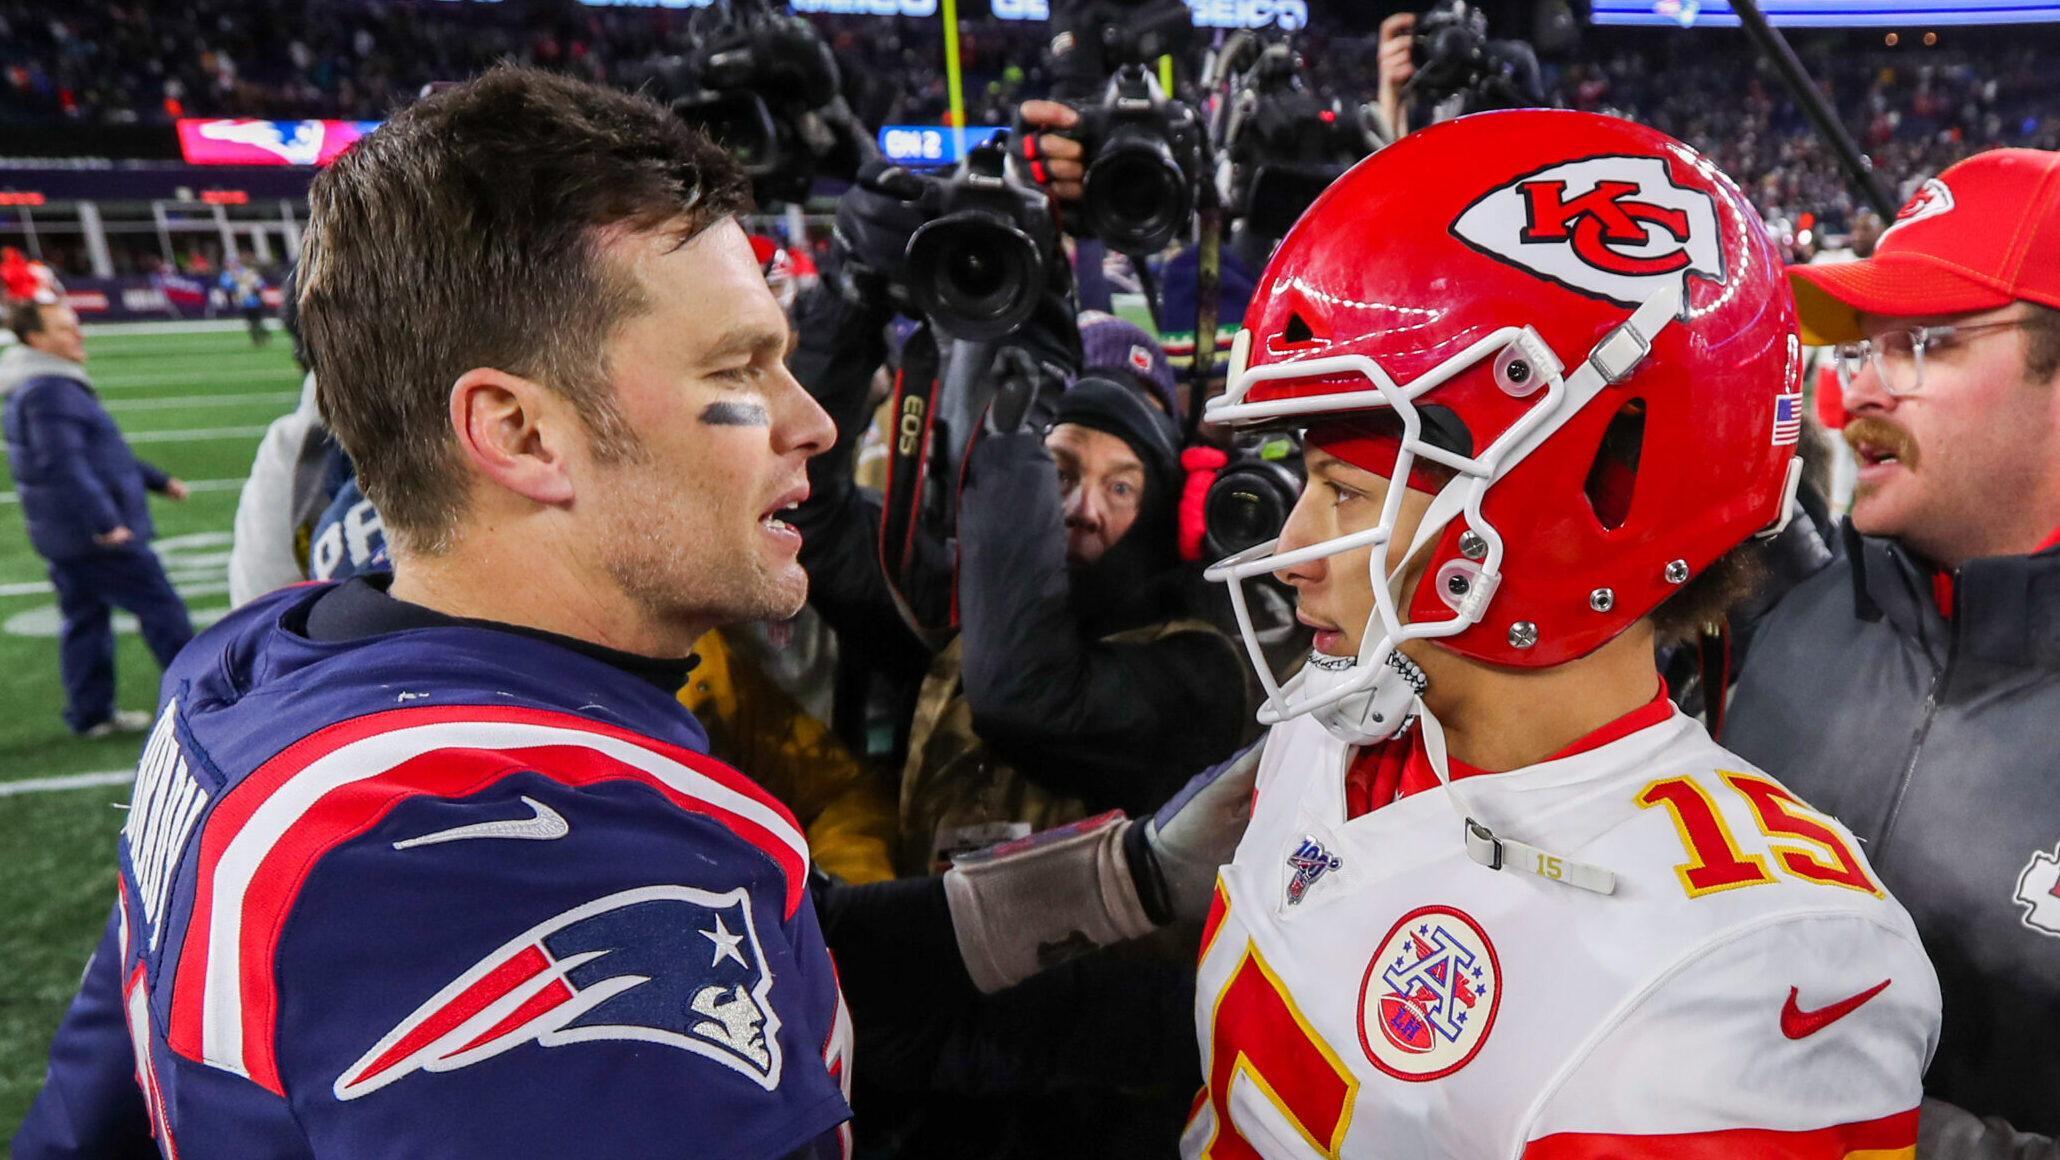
[{"x": 1829, "y": 13}]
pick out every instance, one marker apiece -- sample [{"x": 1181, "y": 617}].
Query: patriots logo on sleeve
[{"x": 661, "y": 964}]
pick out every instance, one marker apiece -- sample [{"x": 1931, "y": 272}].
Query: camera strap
[
  {"x": 916, "y": 389},
  {"x": 1208, "y": 307}
]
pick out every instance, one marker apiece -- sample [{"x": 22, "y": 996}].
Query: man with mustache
[{"x": 1911, "y": 687}]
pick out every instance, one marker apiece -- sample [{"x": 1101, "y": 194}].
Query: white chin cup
[{"x": 1372, "y": 713}]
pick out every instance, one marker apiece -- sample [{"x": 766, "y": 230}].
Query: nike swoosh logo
[
  {"x": 1797, "y": 1023},
  {"x": 545, "y": 825}
]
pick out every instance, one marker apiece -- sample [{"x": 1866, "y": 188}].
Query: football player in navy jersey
[{"x": 436, "y": 865}]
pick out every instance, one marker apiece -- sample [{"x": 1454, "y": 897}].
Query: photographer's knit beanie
[{"x": 1111, "y": 343}]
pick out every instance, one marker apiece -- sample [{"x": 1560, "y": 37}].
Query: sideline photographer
[{"x": 1081, "y": 679}]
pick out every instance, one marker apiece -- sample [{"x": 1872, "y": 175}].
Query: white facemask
[{"x": 1366, "y": 698}]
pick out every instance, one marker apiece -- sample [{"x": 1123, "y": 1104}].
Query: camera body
[
  {"x": 765, "y": 85},
  {"x": 1457, "y": 63},
  {"x": 977, "y": 268},
  {"x": 1148, "y": 154},
  {"x": 1284, "y": 145},
  {"x": 1094, "y": 37}
]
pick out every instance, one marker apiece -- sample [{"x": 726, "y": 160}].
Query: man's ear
[{"x": 516, "y": 432}]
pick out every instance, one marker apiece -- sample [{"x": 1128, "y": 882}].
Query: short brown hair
[
  {"x": 25, "y": 318},
  {"x": 2042, "y": 342},
  {"x": 469, "y": 231}
]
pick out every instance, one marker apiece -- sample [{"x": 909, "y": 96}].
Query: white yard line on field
[
  {"x": 193, "y": 485},
  {"x": 230, "y": 399},
  {"x": 68, "y": 781},
  {"x": 195, "y": 434},
  {"x": 169, "y": 326},
  {"x": 115, "y": 382}
]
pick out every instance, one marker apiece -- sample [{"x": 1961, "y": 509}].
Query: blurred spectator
[
  {"x": 292, "y": 478},
  {"x": 1911, "y": 685},
  {"x": 245, "y": 288},
  {"x": 25, "y": 281},
  {"x": 82, "y": 497}
]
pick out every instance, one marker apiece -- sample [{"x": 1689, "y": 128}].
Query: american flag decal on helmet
[{"x": 1788, "y": 413}]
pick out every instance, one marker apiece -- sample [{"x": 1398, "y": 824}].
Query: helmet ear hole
[
  {"x": 1297, "y": 331},
  {"x": 1613, "y": 476}
]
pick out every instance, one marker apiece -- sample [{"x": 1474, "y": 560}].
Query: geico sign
[
  {"x": 870, "y": 7},
  {"x": 1288, "y": 14},
  {"x": 1022, "y": 10}
]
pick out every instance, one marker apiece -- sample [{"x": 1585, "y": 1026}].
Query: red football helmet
[{"x": 1579, "y": 316}]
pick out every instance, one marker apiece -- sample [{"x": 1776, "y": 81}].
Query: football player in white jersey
[{"x": 1499, "y": 898}]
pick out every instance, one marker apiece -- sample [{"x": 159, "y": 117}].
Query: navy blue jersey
[{"x": 448, "y": 892}]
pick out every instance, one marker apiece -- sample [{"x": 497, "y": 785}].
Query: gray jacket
[{"x": 1938, "y": 742}]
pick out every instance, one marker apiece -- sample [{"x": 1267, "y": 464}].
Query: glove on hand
[
  {"x": 1026, "y": 393},
  {"x": 1025, "y": 905},
  {"x": 1175, "y": 853},
  {"x": 875, "y": 219}
]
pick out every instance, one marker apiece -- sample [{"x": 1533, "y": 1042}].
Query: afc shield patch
[
  {"x": 1430, "y": 994},
  {"x": 662, "y": 964},
  {"x": 1614, "y": 228}
]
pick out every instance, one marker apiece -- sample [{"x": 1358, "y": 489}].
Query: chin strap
[
  {"x": 1374, "y": 714},
  {"x": 1499, "y": 853}
]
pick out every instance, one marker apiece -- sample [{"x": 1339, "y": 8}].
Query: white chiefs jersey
[{"x": 1369, "y": 989}]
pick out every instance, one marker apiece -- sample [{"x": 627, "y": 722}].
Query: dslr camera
[
  {"x": 1456, "y": 63},
  {"x": 976, "y": 268},
  {"x": 1092, "y": 37},
  {"x": 1248, "y": 502},
  {"x": 1147, "y": 153},
  {"x": 767, "y": 87},
  {"x": 1284, "y": 144}
]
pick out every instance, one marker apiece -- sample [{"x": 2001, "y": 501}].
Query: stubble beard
[{"x": 672, "y": 568}]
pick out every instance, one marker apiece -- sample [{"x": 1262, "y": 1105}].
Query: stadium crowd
[
  {"x": 902, "y": 647},
  {"x": 1913, "y": 109}
]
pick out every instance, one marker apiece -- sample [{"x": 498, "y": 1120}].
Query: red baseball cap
[{"x": 1979, "y": 236}]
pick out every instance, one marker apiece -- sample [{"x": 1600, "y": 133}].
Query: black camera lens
[
  {"x": 740, "y": 122},
  {"x": 976, "y": 278},
  {"x": 1137, "y": 199},
  {"x": 975, "y": 273},
  {"x": 1247, "y": 505}
]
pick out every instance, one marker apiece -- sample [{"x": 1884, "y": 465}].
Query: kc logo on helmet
[{"x": 1614, "y": 228}]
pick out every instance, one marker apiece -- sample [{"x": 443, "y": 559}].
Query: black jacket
[
  {"x": 1119, "y": 725},
  {"x": 1935, "y": 740}
]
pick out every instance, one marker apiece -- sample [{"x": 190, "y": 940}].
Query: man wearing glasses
[{"x": 1912, "y": 686}]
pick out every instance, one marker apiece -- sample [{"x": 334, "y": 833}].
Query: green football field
[{"x": 196, "y": 404}]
